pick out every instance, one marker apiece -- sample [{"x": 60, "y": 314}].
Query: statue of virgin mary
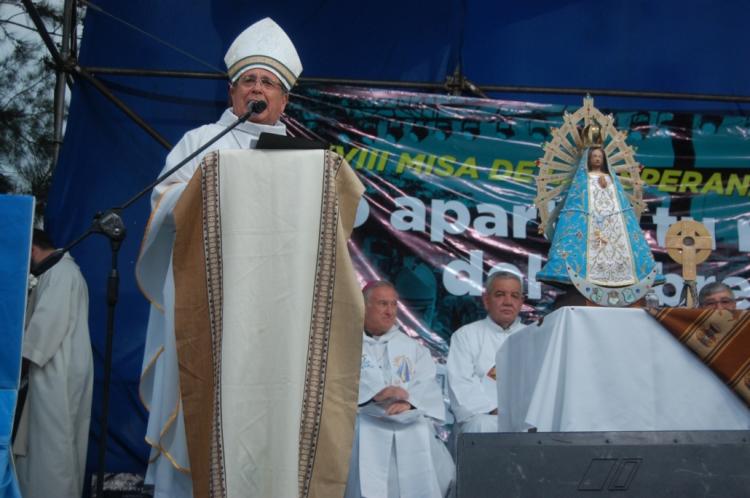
[{"x": 597, "y": 243}]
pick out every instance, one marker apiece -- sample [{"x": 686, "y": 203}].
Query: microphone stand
[{"x": 109, "y": 223}]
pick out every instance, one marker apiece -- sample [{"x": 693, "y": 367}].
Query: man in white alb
[
  {"x": 471, "y": 361},
  {"x": 396, "y": 451},
  {"x": 53, "y": 433}
]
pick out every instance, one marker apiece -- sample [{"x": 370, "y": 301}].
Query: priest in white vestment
[
  {"x": 472, "y": 382},
  {"x": 250, "y": 385},
  {"x": 52, "y": 438},
  {"x": 396, "y": 450},
  {"x": 262, "y": 66}
]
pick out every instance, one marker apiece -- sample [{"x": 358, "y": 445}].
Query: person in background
[
  {"x": 471, "y": 360},
  {"x": 718, "y": 296},
  {"x": 52, "y": 437},
  {"x": 396, "y": 451}
]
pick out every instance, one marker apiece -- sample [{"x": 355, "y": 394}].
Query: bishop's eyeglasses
[{"x": 265, "y": 82}]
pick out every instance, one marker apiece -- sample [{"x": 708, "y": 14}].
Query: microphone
[{"x": 256, "y": 106}]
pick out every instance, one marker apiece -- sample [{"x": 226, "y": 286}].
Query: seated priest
[
  {"x": 396, "y": 450},
  {"x": 471, "y": 361},
  {"x": 717, "y": 296}
]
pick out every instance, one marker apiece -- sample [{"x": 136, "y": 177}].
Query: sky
[{"x": 17, "y": 24}]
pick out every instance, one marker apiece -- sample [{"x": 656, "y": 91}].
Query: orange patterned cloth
[{"x": 720, "y": 338}]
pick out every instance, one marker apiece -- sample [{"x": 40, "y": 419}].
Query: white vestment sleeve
[
  {"x": 424, "y": 392},
  {"x": 50, "y": 321},
  {"x": 156, "y": 250},
  {"x": 468, "y": 396},
  {"x": 159, "y": 387},
  {"x": 371, "y": 380},
  {"x": 242, "y": 137},
  {"x": 369, "y": 386},
  {"x": 192, "y": 141}
]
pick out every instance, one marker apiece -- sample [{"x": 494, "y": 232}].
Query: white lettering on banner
[
  {"x": 495, "y": 225},
  {"x": 533, "y": 287},
  {"x": 454, "y": 218},
  {"x": 522, "y": 215},
  {"x": 663, "y": 221},
  {"x": 412, "y": 217},
  {"x": 711, "y": 227},
  {"x": 465, "y": 277},
  {"x": 461, "y": 277},
  {"x": 676, "y": 284},
  {"x": 363, "y": 212},
  {"x": 743, "y": 234},
  {"x": 440, "y": 224}
]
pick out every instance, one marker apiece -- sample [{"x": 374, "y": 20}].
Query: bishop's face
[
  {"x": 259, "y": 85},
  {"x": 380, "y": 310}
]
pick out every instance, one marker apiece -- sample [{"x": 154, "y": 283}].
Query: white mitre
[{"x": 267, "y": 46}]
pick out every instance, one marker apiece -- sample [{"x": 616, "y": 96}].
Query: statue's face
[{"x": 596, "y": 159}]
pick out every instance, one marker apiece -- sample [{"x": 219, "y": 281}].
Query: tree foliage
[{"x": 27, "y": 85}]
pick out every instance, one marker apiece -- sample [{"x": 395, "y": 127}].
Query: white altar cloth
[{"x": 608, "y": 369}]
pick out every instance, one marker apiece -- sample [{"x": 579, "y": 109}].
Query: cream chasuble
[{"x": 260, "y": 328}]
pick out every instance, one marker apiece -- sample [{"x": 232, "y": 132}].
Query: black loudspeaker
[{"x": 703, "y": 464}]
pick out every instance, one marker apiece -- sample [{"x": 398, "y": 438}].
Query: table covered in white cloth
[{"x": 608, "y": 369}]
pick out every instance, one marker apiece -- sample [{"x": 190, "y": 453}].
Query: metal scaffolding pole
[
  {"x": 453, "y": 82},
  {"x": 61, "y": 74}
]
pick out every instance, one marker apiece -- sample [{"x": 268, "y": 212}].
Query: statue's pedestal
[{"x": 608, "y": 369}]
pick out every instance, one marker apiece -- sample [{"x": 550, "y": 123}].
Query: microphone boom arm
[{"x": 110, "y": 223}]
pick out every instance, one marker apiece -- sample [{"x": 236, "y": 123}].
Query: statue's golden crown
[{"x": 592, "y": 135}]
